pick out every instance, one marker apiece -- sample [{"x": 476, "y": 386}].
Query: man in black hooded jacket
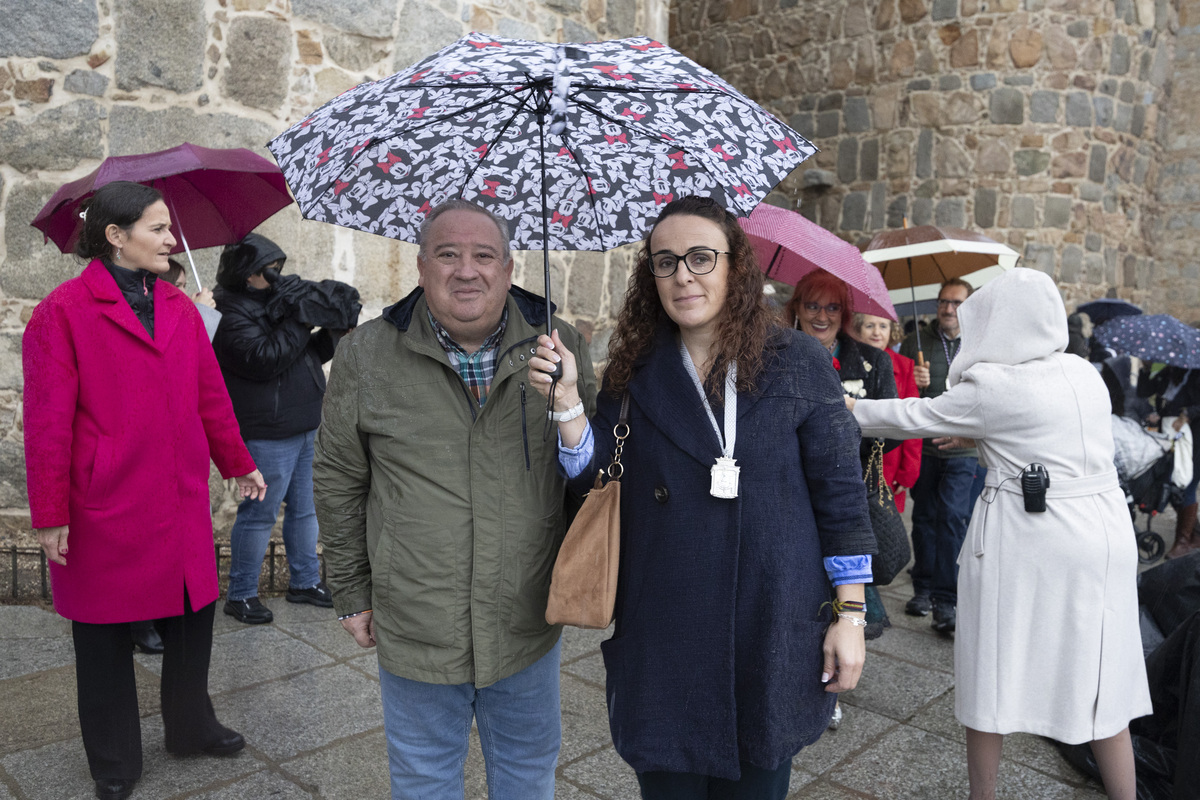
[{"x": 273, "y": 373}]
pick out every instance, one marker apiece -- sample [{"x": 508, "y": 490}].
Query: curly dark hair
[{"x": 744, "y": 328}]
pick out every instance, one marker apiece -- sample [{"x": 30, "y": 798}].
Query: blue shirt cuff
[
  {"x": 848, "y": 569},
  {"x": 574, "y": 460}
]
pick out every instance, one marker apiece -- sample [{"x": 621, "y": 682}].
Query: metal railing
[{"x": 25, "y": 576}]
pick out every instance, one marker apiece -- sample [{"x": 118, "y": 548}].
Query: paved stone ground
[{"x": 307, "y": 700}]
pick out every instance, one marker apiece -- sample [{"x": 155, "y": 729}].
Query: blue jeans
[
  {"x": 286, "y": 466},
  {"x": 943, "y": 497},
  {"x": 520, "y": 730}
]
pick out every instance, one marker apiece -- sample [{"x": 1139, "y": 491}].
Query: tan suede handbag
[{"x": 583, "y": 587}]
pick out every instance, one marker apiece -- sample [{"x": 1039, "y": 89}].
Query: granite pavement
[{"x": 306, "y": 697}]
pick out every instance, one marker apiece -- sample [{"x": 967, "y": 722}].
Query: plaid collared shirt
[{"x": 477, "y": 369}]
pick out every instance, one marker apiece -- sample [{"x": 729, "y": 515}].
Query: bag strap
[
  {"x": 621, "y": 432},
  {"x": 875, "y": 465}
]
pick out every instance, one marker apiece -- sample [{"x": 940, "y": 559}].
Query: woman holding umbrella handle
[
  {"x": 123, "y": 407},
  {"x": 730, "y": 641}
]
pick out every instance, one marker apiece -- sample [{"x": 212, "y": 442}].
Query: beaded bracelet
[
  {"x": 355, "y": 614},
  {"x": 855, "y": 621}
]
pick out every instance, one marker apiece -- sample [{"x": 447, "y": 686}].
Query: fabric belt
[
  {"x": 996, "y": 481},
  {"x": 1059, "y": 487}
]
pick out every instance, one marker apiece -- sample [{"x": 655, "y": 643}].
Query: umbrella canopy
[
  {"x": 928, "y": 254},
  {"x": 216, "y": 196},
  {"x": 789, "y": 246},
  {"x": 1157, "y": 338},
  {"x": 635, "y": 124},
  {"x": 1106, "y": 308}
]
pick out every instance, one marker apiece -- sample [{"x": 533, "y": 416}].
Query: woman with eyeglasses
[{"x": 743, "y": 518}]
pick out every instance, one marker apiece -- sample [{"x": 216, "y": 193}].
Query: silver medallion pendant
[{"x": 725, "y": 478}]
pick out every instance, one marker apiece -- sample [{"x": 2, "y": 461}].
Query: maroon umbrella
[
  {"x": 789, "y": 247},
  {"x": 215, "y": 196}
]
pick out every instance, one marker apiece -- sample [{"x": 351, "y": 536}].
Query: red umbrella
[
  {"x": 216, "y": 196},
  {"x": 789, "y": 247}
]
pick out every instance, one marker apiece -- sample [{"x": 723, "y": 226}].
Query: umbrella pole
[
  {"x": 916, "y": 322},
  {"x": 557, "y": 373},
  {"x": 186, "y": 248}
]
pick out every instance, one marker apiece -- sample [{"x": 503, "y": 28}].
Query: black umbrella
[{"x": 1107, "y": 308}]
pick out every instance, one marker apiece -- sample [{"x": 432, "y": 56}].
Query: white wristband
[{"x": 569, "y": 414}]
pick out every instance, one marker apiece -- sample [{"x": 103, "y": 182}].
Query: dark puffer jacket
[{"x": 272, "y": 369}]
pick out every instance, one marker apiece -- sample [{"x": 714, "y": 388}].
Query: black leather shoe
[
  {"x": 945, "y": 617},
  {"x": 318, "y": 596},
  {"x": 146, "y": 638},
  {"x": 919, "y": 606},
  {"x": 249, "y": 611},
  {"x": 114, "y": 788},
  {"x": 227, "y": 745}
]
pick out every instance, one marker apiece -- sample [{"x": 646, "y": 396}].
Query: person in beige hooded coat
[{"x": 1048, "y": 640}]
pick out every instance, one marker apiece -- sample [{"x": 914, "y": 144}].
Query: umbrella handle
[{"x": 920, "y": 358}]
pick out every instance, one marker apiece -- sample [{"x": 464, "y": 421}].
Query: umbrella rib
[
  {"x": 523, "y": 104},
  {"x": 649, "y": 134},
  {"x": 374, "y": 140},
  {"x": 575, "y": 156}
]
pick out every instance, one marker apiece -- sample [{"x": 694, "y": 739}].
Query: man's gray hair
[{"x": 459, "y": 204}]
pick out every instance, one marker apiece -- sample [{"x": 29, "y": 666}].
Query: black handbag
[{"x": 891, "y": 537}]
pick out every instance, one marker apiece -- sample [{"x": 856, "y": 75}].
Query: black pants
[
  {"x": 756, "y": 783},
  {"x": 108, "y": 707}
]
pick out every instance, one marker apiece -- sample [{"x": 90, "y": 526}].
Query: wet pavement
[{"x": 306, "y": 697}]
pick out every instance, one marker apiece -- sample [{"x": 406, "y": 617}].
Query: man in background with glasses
[{"x": 947, "y": 487}]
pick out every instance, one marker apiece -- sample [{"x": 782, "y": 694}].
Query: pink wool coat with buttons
[{"x": 119, "y": 429}]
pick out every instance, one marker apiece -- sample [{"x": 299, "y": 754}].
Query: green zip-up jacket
[{"x": 442, "y": 517}]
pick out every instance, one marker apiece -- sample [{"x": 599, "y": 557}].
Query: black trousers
[
  {"x": 108, "y": 703},
  {"x": 756, "y": 783}
]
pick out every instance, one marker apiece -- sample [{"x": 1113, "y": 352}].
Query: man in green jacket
[{"x": 440, "y": 509}]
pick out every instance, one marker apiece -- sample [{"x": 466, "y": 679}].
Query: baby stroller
[{"x": 1153, "y": 469}]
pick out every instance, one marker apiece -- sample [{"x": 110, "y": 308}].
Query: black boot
[{"x": 145, "y": 637}]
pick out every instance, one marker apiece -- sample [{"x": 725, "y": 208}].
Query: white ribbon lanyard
[{"x": 725, "y": 471}]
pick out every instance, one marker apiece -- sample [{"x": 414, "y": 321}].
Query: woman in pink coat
[{"x": 124, "y": 406}]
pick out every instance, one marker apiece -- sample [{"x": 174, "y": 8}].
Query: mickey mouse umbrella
[{"x": 578, "y": 146}]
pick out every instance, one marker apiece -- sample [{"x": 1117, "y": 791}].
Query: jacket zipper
[{"x": 524, "y": 430}]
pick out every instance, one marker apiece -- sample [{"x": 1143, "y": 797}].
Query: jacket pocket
[
  {"x": 101, "y": 472},
  {"x": 422, "y": 589}
]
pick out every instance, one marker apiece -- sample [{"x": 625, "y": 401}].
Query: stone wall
[
  {"x": 1064, "y": 128},
  {"x": 85, "y": 79}
]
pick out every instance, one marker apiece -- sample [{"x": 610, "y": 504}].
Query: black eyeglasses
[
  {"x": 831, "y": 308},
  {"x": 699, "y": 261},
  {"x": 949, "y": 303}
]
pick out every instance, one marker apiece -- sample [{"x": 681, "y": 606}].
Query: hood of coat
[
  {"x": 247, "y": 257},
  {"x": 1018, "y": 317}
]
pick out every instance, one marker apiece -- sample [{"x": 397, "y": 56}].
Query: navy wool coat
[{"x": 717, "y": 653}]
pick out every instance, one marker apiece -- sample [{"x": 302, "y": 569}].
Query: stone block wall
[
  {"x": 1064, "y": 128},
  {"x": 84, "y": 79}
]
